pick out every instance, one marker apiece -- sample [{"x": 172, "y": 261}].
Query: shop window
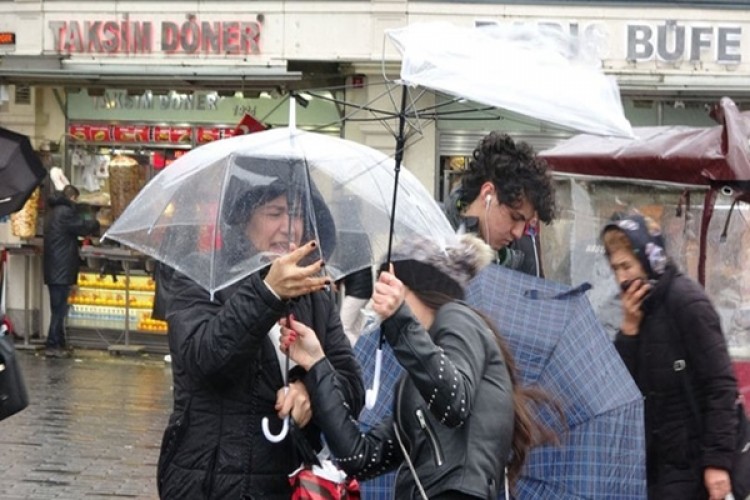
[{"x": 23, "y": 95}]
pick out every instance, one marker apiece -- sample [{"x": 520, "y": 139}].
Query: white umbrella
[{"x": 532, "y": 70}]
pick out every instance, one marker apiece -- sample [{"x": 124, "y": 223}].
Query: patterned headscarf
[{"x": 648, "y": 243}]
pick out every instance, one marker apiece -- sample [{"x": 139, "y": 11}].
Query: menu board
[{"x": 142, "y": 133}]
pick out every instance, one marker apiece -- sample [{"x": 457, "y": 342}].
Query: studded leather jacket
[{"x": 454, "y": 409}]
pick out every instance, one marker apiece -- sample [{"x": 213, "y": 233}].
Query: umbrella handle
[
  {"x": 371, "y": 396},
  {"x": 275, "y": 438}
]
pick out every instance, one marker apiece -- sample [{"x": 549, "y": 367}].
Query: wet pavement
[{"x": 92, "y": 428}]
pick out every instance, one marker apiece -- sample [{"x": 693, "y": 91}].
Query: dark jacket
[
  {"x": 62, "y": 227},
  {"x": 681, "y": 324},
  {"x": 453, "y": 409},
  {"x": 226, "y": 374}
]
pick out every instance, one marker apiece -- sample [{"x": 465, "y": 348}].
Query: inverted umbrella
[
  {"x": 193, "y": 215},
  {"x": 21, "y": 171},
  {"x": 532, "y": 70},
  {"x": 558, "y": 344}
]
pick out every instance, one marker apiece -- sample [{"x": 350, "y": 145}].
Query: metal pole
[
  {"x": 26, "y": 299},
  {"x": 126, "y": 265}
]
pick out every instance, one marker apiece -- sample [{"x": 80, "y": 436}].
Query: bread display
[
  {"x": 23, "y": 222},
  {"x": 125, "y": 180}
]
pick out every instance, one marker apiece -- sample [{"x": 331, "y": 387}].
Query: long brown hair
[{"x": 527, "y": 430}]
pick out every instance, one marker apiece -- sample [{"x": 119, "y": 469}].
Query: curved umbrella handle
[
  {"x": 371, "y": 396},
  {"x": 276, "y": 438}
]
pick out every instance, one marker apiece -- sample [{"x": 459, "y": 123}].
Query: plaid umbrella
[{"x": 559, "y": 344}]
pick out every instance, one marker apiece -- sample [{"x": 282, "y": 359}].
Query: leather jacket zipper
[{"x": 425, "y": 426}]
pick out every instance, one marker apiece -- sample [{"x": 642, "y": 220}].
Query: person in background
[
  {"x": 62, "y": 227},
  {"x": 357, "y": 291},
  {"x": 502, "y": 195},
  {"x": 458, "y": 412},
  {"x": 227, "y": 369},
  {"x": 57, "y": 179},
  {"x": 671, "y": 341}
]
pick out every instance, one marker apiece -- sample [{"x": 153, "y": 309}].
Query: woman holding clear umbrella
[{"x": 229, "y": 375}]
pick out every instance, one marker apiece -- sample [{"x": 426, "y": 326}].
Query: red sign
[
  {"x": 130, "y": 133},
  {"x": 208, "y": 134},
  {"x": 228, "y": 132},
  {"x": 78, "y": 132},
  {"x": 7, "y": 38},
  {"x": 95, "y": 133},
  {"x": 180, "y": 135},
  {"x": 248, "y": 125},
  {"x": 160, "y": 134}
]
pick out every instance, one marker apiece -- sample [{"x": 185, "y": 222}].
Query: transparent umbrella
[{"x": 193, "y": 216}]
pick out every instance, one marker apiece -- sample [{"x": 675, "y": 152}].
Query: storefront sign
[
  {"x": 669, "y": 40},
  {"x": 207, "y": 134},
  {"x": 673, "y": 41},
  {"x": 130, "y": 133},
  {"x": 119, "y": 99},
  {"x": 147, "y": 134},
  {"x": 173, "y": 135},
  {"x": 193, "y": 36},
  {"x": 90, "y": 133}
]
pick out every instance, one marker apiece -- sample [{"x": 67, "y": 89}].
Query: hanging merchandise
[
  {"x": 23, "y": 222},
  {"x": 125, "y": 181}
]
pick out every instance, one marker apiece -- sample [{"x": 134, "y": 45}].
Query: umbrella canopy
[
  {"x": 531, "y": 70},
  {"x": 689, "y": 155},
  {"x": 21, "y": 171},
  {"x": 559, "y": 344},
  {"x": 194, "y": 215}
]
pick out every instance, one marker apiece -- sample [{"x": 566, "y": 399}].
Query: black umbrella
[{"x": 21, "y": 171}]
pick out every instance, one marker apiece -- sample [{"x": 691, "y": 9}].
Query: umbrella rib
[{"x": 214, "y": 236}]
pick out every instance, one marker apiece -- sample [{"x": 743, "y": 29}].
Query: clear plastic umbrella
[
  {"x": 193, "y": 215},
  {"x": 532, "y": 70}
]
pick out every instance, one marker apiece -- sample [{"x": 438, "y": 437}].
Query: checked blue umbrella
[{"x": 559, "y": 345}]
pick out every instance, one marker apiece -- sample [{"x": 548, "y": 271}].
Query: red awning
[{"x": 687, "y": 155}]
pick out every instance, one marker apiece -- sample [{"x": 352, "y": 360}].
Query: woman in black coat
[
  {"x": 227, "y": 368},
  {"x": 672, "y": 343}
]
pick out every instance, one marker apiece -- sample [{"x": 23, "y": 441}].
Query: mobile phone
[{"x": 626, "y": 284}]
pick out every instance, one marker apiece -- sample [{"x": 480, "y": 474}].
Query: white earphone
[{"x": 488, "y": 200}]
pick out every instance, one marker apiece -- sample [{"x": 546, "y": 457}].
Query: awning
[
  {"x": 684, "y": 86},
  {"x": 212, "y": 75}
]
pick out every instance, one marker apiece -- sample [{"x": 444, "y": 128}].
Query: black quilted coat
[
  {"x": 226, "y": 374},
  {"x": 680, "y": 336},
  {"x": 62, "y": 227}
]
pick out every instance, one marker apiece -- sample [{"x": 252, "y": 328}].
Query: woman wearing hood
[
  {"x": 228, "y": 371},
  {"x": 671, "y": 341}
]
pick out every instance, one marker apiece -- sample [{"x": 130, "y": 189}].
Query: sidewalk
[{"x": 92, "y": 429}]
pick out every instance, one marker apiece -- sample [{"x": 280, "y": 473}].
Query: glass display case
[{"x": 104, "y": 301}]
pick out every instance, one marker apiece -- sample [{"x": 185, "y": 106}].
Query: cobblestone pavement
[{"x": 92, "y": 428}]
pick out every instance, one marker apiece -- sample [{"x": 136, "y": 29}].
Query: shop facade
[{"x": 160, "y": 78}]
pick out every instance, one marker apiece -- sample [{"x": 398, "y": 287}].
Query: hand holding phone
[{"x": 634, "y": 292}]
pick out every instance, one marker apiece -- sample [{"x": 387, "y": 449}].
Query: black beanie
[{"x": 648, "y": 246}]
